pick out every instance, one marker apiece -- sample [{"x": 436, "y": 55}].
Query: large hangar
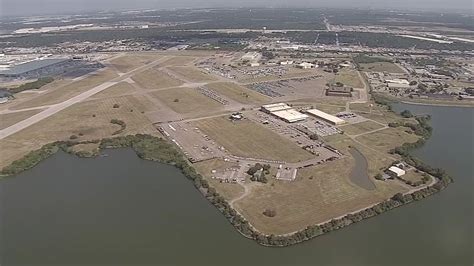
[{"x": 334, "y": 120}]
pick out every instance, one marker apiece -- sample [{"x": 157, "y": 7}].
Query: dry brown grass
[
  {"x": 7, "y": 120},
  {"x": 248, "y": 139},
  {"x": 192, "y": 74},
  {"x": 61, "y": 94},
  {"x": 239, "y": 93},
  {"x": 75, "y": 120},
  {"x": 189, "y": 101},
  {"x": 319, "y": 194},
  {"x": 131, "y": 61},
  {"x": 359, "y": 128},
  {"x": 116, "y": 90},
  {"x": 330, "y": 109},
  {"x": 381, "y": 67},
  {"x": 349, "y": 78},
  {"x": 178, "y": 61},
  {"x": 228, "y": 190},
  {"x": 154, "y": 79},
  {"x": 387, "y": 139}
]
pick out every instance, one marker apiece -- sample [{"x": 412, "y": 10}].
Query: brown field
[
  {"x": 381, "y": 67},
  {"x": 248, "y": 139},
  {"x": 412, "y": 176},
  {"x": 190, "y": 101},
  {"x": 349, "y": 78},
  {"x": 387, "y": 139},
  {"x": 363, "y": 107},
  {"x": 178, "y": 61},
  {"x": 238, "y": 93},
  {"x": 192, "y": 74},
  {"x": 116, "y": 90},
  {"x": 330, "y": 109},
  {"x": 228, "y": 190},
  {"x": 75, "y": 120},
  {"x": 359, "y": 128},
  {"x": 320, "y": 193},
  {"x": 154, "y": 79},
  {"x": 7, "y": 120},
  {"x": 129, "y": 62},
  {"x": 61, "y": 94}
]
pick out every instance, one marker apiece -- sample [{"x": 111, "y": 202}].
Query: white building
[
  {"x": 290, "y": 115},
  {"x": 275, "y": 107},
  {"x": 305, "y": 65},
  {"x": 334, "y": 120},
  {"x": 395, "y": 171}
]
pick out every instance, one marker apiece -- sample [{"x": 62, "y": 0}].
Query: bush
[{"x": 116, "y": 105}]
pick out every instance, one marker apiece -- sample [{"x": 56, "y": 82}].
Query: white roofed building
[{"x": 334, "y": 120}]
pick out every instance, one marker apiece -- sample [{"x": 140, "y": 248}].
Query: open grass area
[
  {"x": 63, "y": 93},
  {"x": 349, "y": 78},
  {"x": 387, "y": 139},
  {"x": 178, "y": 61},
  {"x": 320, "y": 193},
  {"x": 192, "y": 74},
  {"x": 187, "y": 101},
  {"x": 88, "y": 120},
  {"x": 359, "y": 128},
  {"x": 248, "y": 139},
  {"x": 228, "y": 190},
  {"x": 330, "y": 109},
  {"x": 7, "y": 120},
  {"x": 381, "y": 67},
  {"x": 131, "y": 61},
  {"x": 239, "y": 93},
  {"x": 116, "y": 90},
  {"x": 155, "y": 79}
]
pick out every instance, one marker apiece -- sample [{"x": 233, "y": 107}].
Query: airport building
[
  {"x": 35, "y": 68},
  {"x": 333, "y": 120},
  {"x": 284, "y": 112}
]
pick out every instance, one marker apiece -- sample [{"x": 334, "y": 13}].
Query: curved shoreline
[{"x": 152, "y": 148}]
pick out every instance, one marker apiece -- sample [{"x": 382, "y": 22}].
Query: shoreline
[{"x": 153, "y": 148}]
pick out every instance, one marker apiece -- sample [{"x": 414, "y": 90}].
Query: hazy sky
[{"x": 27, "y": 7}]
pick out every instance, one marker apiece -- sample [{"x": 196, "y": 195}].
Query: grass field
[
  {"x": 330, "y": 109},
  {"x": 116, "y": 90},
  {"x": 178, "y": 61},
  {"x": 78, "y": 120},
  {"x": 319, "y": 194},
  {"x": 68, "y": 91},
  {"x": 387, "y": 139},
  {"x": 238, "y": 93},
  {"x": 192, "y": 74},
  {"x": 359, "y": 128},
  {"x": 349, "y": 78},
  {"x": 154, "y": 79},
  {"x": 187, "y": 101},
  {"x": 131, "y": 61},
  {"x": 228, "y": 190},
  {"x": 381, "y": 67},
  {"x": 7, "y": 120},
  {"x": 248, "y": 139}
]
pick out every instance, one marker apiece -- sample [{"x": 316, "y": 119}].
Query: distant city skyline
[{"x": 35, "y": 7}]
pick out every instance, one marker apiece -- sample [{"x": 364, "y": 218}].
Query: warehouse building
[
  {"x": 290, "y": 115},
  {"x": 274, "y": 107},
  {"x": 333, "y": 120},
  {"x": 395, "y": 171},
  {"x": 35, "y": 69}
]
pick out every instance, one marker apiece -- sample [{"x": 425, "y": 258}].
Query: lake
[{"x": 123, "y": 210}]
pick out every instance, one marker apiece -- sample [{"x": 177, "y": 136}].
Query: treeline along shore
[{"x": 153, "y": 148}]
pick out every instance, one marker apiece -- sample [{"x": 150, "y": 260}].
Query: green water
[{"x": 122, "y": 210}]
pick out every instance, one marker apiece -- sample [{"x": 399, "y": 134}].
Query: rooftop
[{"x": 29, "y": 66}]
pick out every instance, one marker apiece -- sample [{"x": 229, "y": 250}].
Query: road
[{"x": 53, "y": 109}]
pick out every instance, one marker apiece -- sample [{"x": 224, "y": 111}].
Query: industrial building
[
  {"x": 333, "y": 120},
  {"x": 34, "y": 69},
  {"x": 395, "y": 171},
  {"x": 274, "y": 107},
  {"x": 284, "y": 112},
  {"x": 290, "y": 115},
  {"x": 305, "y": 65},
  {"x": 339, "y": 91}
]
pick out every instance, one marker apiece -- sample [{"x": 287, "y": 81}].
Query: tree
[
  {"x": 406, "y": 114},
  {"x": 413, "y": 83}
]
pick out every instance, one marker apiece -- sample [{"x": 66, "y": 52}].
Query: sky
[{"x": 37, "y": 7}]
